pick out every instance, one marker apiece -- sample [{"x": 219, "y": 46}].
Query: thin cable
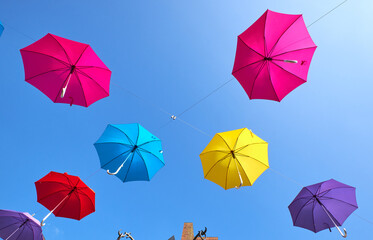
[
  {"x": 202, "y": 99},
  {"x": 6, "y": 26},
  {"x": 143, "y": 99},
  {"x": 327, "y": 13},
  {"x": 195, "y": 128},
  {"x": 364, "y": 219},
  {"x": 287, "y": 177}
]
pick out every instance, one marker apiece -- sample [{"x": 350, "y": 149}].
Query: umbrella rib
[
  {"x": 9, "y": 225},
  {"x": 335, "y": 188},
  {"x": 80, "y": 83},
  {"x": 289, "y": 72},
  {"x": 264, "y": 35},
  {"x": 129, "y": 139},
  {"x": 247, "y": 65},
  {"x": 214, "y": 151},
  {"x": 216, "y": 163},
  {"x": 22, "y": 229},
  {"x": 148, "y": 142},
  {"x": 138, "y": 133},
  {"x": 309, "y": 197},
  {"x": 226, "y": 175},
  {"x": 115, "y": 158},
  {"x": 291, "y": 51},
  {"x": 144, "y": 150},
  {"x": 235, "y": 144},
  {"x": 67, "y": 185},
  {"x": 250, "y": 47},
  {"x": 38, "y": 75},
  {"x": 80, "y": 204},
  {"x": 251, "y": 158},
  {"x": 224, "y": 141},
  {"x": 147, "y": 171},
  {"x": 270, "y": 79},
  {"x": 85, "y": 67},
  {"x": 43, "y": 198},
  {"x": 244, "y": 172},
  {"x": 86, "y": 75},
  {"x": 59, "y": 60},
  {"x": 67, "y": 56},
  {"x": 256, "y": 77},
  {"x": 125, "y": 178},
  {"x": 81, "y": 55},
  {"x": 243, "y": 147},
  {"x": 313, "y": 216},
  {"x": 283, "y": 35},
  {"x": 329, "y": 198},
  {"x": 114, "y": 143},
  {"x": 296, "y": 218},
  {"x": 81, "y": 192}
]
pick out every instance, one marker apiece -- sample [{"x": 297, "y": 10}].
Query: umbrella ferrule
[
  {"x": 267, "y": 59},
  {"x": 134, "y": 148},
  {"x": 233, "y": 154},
  {"x": 73, "y": 67}
]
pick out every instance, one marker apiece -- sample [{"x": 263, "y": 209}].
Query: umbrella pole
[
  {"x": 67, "y": 81},
  {"x": 120, "y": 167},
  {"x": 16, "y": 230},
  {"x": 45, "y": 218},
  {"x": 239, "y": 174},
  {"x": 344, "y": 229}
]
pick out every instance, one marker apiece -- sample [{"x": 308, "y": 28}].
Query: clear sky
[{"x": 172, "y": 53}]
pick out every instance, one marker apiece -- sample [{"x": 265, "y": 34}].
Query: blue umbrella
[
  {"x": 130, "y": 152},
  {"x": 1, "y": 28}
]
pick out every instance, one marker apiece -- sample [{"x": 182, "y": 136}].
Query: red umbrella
[
  {"x": 273, "y": 56},
  {"x": 65, "y": 196},
  {"x": 66, "y": 71}
]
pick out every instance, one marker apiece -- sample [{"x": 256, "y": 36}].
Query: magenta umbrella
[
  {"x": 66, "y": 71},
  {"x": 273, "y": 56}
]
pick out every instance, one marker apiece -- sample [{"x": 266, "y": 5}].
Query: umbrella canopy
[
  {"x": 235, "y": 158},
  {"x": 273, "y": 56},
  {"x": 19, "y": 226},
  {"x": 66, "y": 71},
  {"x": 323, "y": 205},
  {"x": 130, "y": 152},
  {"x": 65, "y": 196},
  {"x": 1, "y": 28}
]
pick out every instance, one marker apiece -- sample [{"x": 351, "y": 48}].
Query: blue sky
[{"x": 172, "y": 53}]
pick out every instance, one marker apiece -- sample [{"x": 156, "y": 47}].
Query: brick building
[{"x": 188, "y": 233}]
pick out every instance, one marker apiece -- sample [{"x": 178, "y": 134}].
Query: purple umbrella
[
  {"x": 19, "y": 226},
  {"x": 323, "y": 205}
]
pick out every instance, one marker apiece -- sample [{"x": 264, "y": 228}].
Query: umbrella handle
[
  {"x": 45, "y": 218},
  {"x": 291, "y": 61},
  {"x": 67, "y": 82},
  {"x": 120, "y": 167},
  {"x": 239, "y": 174},
  {"x": 335, "y": 225}
]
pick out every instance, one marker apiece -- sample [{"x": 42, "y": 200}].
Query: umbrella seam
[
  {"x": 130, "y": 140},
  {"x": 226, "y": 175},
  {"x": 81, "y": 55},
  {"x": 245, "y": 172},
  {"x": 296, "y": 219},
  {"x": 84, "y": 67},
  {"x": 235, "y": 144},
  {"x": 86, "y": 75},
  {"x": 132, "y": 157},
  {"x": 38, "y": 75},
  {"x": 141, "y": 149},
  {"x": 83, "y": 193},
  {"x": 114, "y": 143},
  {"x": 43, "y": 198},
  {"x": 80, "y": 83},
  {"x": 138, "y": 134},
  {"x": 158, "y": 140},
  {"x": 304, "y": 80},
  {"x": 247, "y": 66},
  {"x": 270, "y": 80},
  {"x": 243, "y": 147},
  {"x": 67, "y": 56},
  {"x": 300, "y": 49},
  {"x": 313, "y": 216},
  {"x": 143, "y": 159},
  {"x": 264, "y": 34},
  {"x": 215, "y": 164},
  {"x": 115, "y": 158},
  {"x": 253, "y": 158},
  {"x": 336, "y": 188},
  {"x": 59, "y": 60},
  {"x": 329, "y": 198},
  {"x": 270, "y": 52},
  {"x": 224, "y": 141},
  {"x": 256, "y": 77}
]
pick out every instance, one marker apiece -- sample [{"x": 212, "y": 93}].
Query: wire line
[{"x": 327, "y": 13}]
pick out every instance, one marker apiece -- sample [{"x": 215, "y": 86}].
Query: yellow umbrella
[{"x": 235, "y": 158}]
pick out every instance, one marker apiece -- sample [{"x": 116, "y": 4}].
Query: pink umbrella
[
  {"x": 66, "y": 71},
  {"x": 273, "y": 56}
]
